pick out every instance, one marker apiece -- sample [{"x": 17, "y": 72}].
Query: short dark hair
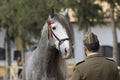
[{"x": 94, "y": 47}]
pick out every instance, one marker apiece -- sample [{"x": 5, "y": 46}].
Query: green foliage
[
  {"x": 26, "y": 17},
  {"x": 116, "y": 5},
  {"x": 112, "y": 1},
  {"x": 88, "y": 13}
]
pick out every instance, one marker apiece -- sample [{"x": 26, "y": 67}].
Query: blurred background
[{"x": 21, "y": 22}]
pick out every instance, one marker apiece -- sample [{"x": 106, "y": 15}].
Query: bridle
[{"x": 51, "y": 34}]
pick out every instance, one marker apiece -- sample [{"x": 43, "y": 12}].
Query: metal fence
[{"x": 12, "y": 70}]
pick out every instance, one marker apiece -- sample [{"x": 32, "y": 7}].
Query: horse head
[{"x": 60, "y": 30}]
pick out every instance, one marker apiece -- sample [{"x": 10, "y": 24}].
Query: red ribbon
[{"x": 49, "y": 29}]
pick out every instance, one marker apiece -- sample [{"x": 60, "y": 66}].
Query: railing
[
  {"x": 13, "y": 72},
  {"x": 13, "y": 75}
]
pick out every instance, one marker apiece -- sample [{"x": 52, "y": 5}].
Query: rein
[{"x": 51, "y": 34}]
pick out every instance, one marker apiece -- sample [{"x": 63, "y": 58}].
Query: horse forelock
[{"x": 66, "y": 24}]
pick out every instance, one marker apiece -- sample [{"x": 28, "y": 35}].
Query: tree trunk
[
  {"x": 115, "y": 41},
  {"x": 8, "y": 53},
  {"x": 19, "y": 44}
]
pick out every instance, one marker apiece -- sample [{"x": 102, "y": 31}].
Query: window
[
  {"x": 73, "y": 53},
  {"x": 119, "y": 50},
  {"x": 106, "y": 51},
  {"x": 2, "y": 54}
]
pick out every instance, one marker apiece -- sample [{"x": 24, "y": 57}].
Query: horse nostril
[
  {"x": 65, "y": 50},
  {"x": 67, "y": 53}
]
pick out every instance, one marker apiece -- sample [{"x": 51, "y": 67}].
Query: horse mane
[{"x": 66, "y": 24}]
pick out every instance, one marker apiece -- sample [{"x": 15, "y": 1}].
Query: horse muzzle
[{"x": 68, "y": 53}]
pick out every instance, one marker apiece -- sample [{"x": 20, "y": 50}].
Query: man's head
[{"x": 91, "y": 42}]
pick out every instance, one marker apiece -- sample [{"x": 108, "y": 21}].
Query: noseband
[{"x": 51, "y": 34}]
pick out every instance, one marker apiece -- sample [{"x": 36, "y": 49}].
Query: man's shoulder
[
  {"x": 80, "y": 63},
  {"x": 110, "y": 59}
]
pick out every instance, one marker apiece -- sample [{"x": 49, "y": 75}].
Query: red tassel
[
  {"x": 49, "y": 24},
  {"x": 49, "y": 27}
]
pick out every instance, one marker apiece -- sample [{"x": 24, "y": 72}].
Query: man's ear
[{"x": 85, "y": 48}]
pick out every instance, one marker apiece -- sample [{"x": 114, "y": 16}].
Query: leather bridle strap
[{"x": 60, "y": 40}]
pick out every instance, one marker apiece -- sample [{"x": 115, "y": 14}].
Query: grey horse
[{"x": 47, "y": 62}]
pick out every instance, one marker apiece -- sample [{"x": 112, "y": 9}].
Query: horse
[{"x": 47, "y": 62}]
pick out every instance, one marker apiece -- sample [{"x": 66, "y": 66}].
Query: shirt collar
[{"x": 92, "y": 55}]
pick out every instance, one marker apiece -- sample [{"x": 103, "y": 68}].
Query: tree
[
  {"x": 117, "y": 22},
  {"x": 4, "y": 23},
  {"x": 89, "y": 13},
  {"x": 113, "y": 4}
]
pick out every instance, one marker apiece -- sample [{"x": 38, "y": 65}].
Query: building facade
[{"x": 104, "y": 33}]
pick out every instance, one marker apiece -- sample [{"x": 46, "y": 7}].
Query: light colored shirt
[{"x": 92, "y": 54}]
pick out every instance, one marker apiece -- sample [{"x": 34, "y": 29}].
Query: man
[{"x": 95, "y": 67}]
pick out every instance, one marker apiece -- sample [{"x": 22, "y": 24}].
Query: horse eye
[{"x": 53, "y": 27}]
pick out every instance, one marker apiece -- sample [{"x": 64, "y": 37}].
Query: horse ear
[
  {"x": 66, "y": 12},
  {"x": 52, "y": 12}
]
